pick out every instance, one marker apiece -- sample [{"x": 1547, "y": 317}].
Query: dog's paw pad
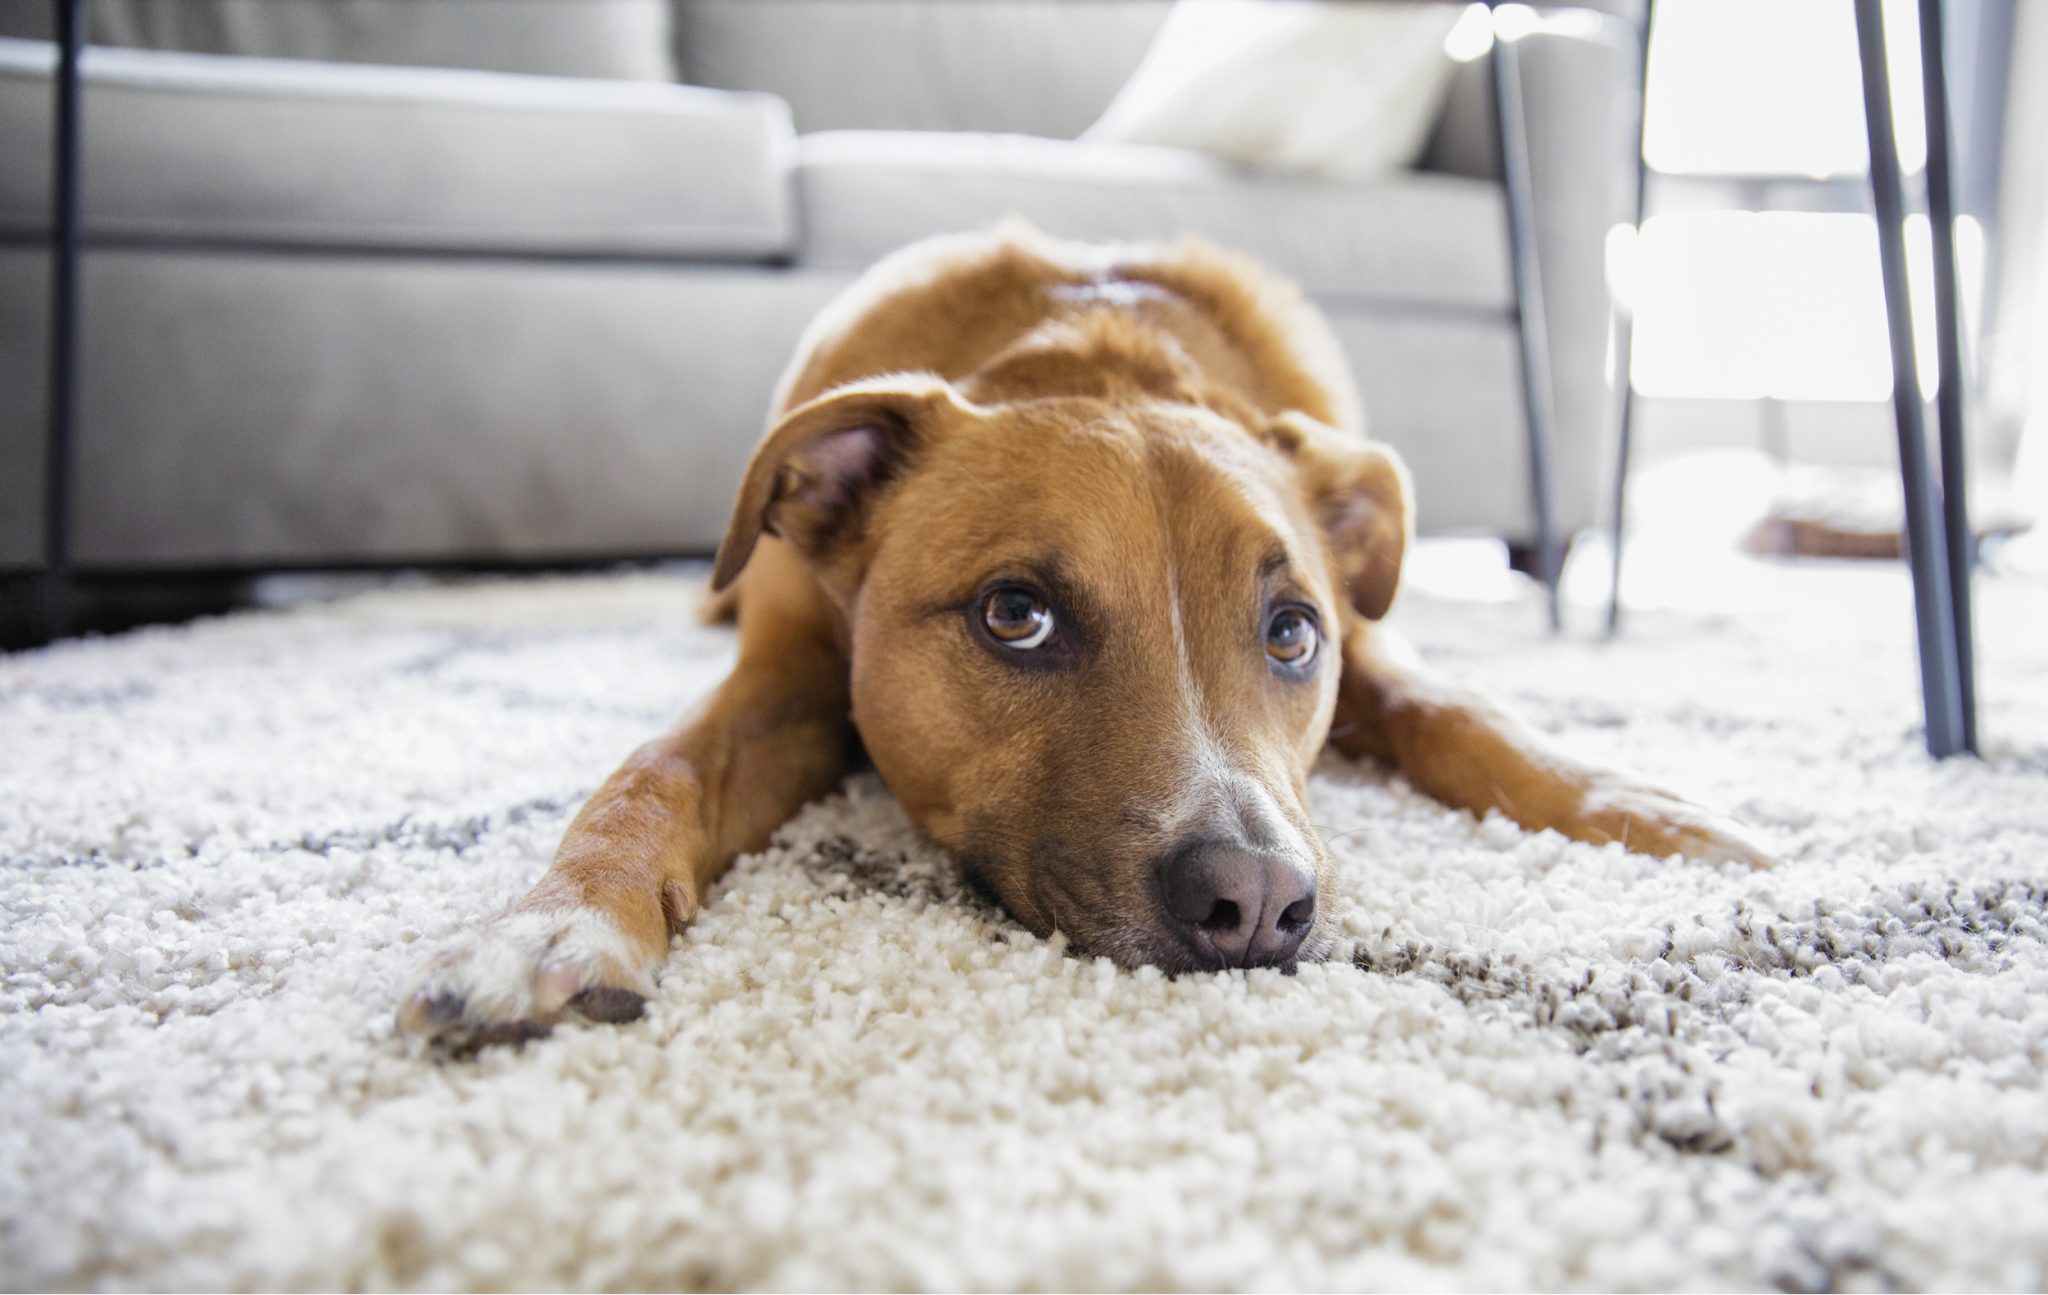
[
  {"x": 610, "y": 1004},
  {"x": 514, "y": 979},
  {"x": 501, "y": 1034}
]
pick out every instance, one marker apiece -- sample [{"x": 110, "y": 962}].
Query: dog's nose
[{"x": 1245, "y": 909}]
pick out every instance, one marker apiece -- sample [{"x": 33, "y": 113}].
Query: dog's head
[{"x": 1095, "y": 645}]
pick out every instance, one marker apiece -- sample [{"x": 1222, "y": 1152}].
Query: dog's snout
[{"x": 1239, "y": 907}]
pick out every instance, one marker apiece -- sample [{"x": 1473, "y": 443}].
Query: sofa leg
[
  {"x": 53, "y": 596},
  {"x": 1526, "y": 556}
]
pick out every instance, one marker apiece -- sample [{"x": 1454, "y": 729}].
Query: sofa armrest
[{"x": 233, "y": 151}]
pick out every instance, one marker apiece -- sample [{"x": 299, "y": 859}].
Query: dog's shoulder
[
  {"x": 1287, "y": 344},
  {"x": 953, "y": 304}
]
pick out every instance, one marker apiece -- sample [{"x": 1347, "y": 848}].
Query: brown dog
[{"x": 1084, "y": 547}]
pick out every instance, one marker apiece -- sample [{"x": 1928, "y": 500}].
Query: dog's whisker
[{"x": 1330, "y": 835}]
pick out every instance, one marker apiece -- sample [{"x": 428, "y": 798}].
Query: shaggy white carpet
[{"x": 227, "y": 847}]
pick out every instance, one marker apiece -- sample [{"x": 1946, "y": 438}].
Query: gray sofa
[{"x": 341, "y": 311}]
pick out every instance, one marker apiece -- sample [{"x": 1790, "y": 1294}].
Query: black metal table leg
[
  {"x": 1949, "y": 406},
  {"x": 54, "y": 590},
  {"x": 1625, "y": 334},
  {"x": 1925, "y": 541},
  {"x": 1531, "y": 323}
]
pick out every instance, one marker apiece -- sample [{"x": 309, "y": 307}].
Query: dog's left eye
[
  {"x": 1016, "y": 617},
  {"x": 1291, "y": 637}
]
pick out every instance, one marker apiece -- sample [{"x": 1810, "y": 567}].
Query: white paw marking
[
  {"x": 1657, "y": 822},
  {"x": 523, "y": 969}
]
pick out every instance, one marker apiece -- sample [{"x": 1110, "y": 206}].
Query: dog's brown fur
[{"x": 1163, "y": 439}]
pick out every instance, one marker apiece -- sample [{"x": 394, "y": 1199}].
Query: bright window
[
  {"x": 1748, "y": 97},
  {"x": 1771, "y": 87}
]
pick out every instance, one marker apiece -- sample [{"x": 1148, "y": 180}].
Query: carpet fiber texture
[{"x": 227, "y": 848}]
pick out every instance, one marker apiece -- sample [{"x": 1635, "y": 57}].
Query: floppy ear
[
  {"x": 1360, "y": 492},
  {"x": 811, "y": 479}
]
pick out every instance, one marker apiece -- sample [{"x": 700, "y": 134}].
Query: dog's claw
[
  {"x": 554, "y": 984},
  {"x": 438, "y": 1018},
  {"x": 426, "y": 1012}
]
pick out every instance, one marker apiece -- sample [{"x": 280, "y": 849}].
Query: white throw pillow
[{"x": 1332, "y": 88}]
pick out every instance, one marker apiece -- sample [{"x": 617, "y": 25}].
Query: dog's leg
[
  {"x": 1469, "y": 754},
  {"x": 638, "y": 858}
]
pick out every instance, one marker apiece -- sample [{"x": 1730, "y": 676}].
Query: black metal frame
[
  {"x": 54, "y": 592},
  {"x": 1936, "y": 507},
  {"x": 1961, "y": 542}
]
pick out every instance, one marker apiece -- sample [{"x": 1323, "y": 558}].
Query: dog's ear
[
  {"x": 1360, "y": 492},
  {"x": 811, "y": 480}
]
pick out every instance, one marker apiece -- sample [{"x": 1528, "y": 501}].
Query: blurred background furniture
[
  {"x": 527, "y": 303},
  {"x": 1935, "y": 536}
]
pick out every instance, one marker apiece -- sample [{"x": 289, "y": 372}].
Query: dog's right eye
[
  {"x": 1017, "y": 617},
  {"x": 1291, "y": 638}
]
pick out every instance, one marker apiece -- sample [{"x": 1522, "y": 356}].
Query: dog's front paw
[
  {"x": 514, "y": 978},
  {"x": 1649, "y": 820}
]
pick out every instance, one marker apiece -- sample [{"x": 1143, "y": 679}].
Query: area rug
[{"x": 227, "y": 846}]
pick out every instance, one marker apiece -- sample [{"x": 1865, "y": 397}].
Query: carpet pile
[{"x": 227, "y": 847}]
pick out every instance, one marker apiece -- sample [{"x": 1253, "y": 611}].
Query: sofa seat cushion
[
  {"x": 226, "y": 150},
  {"x": 1411, "y": 237}
]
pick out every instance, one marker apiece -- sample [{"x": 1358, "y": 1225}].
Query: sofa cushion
[
  {"x": 1036, "y": 67},
  {"x": 200, "y": 148},
  {"x": 1434, "y": 239},
  {"x": 258, "y": 408},
  {"x": 622, "y": 39}
]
